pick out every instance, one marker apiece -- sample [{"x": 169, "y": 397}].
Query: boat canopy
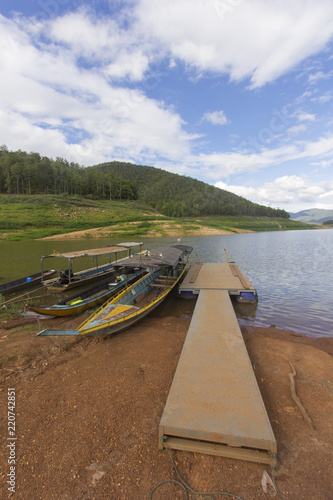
[
  {"x": 159, "y": 257},
  {"x": 94, "y": 253}
]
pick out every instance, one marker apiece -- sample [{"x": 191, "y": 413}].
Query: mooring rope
[
  {"x": 273, "y": 478},
  {"x": 208, "y": 495},
  {"x": 19, "y": 298}
]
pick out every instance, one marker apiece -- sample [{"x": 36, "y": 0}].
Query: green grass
[
  {"x": 31, "y": 217},
  {"x": 25, "y": 328},
  {"x": 232, "y": 223},
  {"x": 38, "y": 216}
]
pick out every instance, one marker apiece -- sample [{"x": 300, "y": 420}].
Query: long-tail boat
[
  {"x": 26, "y": 282},
  {"x": 87, "y": 299},
  {"x": 69, "y": 279},
  {"x": 166, "y": 268}
]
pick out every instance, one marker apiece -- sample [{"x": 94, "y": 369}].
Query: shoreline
[
  {"x": 110, "y": 232},
  {"x": 168, "y": 230}
]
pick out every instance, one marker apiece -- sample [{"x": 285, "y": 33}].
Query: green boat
[{"x": 87, "y": 299}]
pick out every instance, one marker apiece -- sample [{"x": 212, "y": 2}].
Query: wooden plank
[
  {"x": 238, "y": 273},
  {"x": 220, "y": 450},
  {"x": 195, "y": 274}
]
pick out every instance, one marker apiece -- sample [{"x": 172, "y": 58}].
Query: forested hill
[
  {"x": 179, "y": 196},
  {"x": 171, "y": 194}
]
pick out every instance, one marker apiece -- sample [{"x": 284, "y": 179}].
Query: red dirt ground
[{"x": 88, "y": 411}]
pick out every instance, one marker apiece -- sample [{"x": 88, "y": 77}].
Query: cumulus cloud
[
  {"x": 105, "y": 44},
  {"x": 253, "y": 39},
  {"x": 42, "y": 80},
  {"x": 291, "y": 191}
]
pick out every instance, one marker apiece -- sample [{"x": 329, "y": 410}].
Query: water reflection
[{"x": 245, "y": 311}]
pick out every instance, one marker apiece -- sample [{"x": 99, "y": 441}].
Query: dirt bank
[
  {"x": 88, "y": 410},
  {"x": 163, "y": 229}
]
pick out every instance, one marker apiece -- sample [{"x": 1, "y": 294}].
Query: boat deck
[{"x": 214, "y": 404}]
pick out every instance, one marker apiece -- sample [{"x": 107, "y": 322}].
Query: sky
[{"x": 236, "y": 93}]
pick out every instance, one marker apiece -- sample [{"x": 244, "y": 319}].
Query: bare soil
[
  {"x": 88, "y": 411},
  {"x": 165, "y": 229}
]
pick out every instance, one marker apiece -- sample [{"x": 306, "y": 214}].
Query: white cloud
[
  {"x": 291, "y": 192},
  {"x": 324, "y": 163},
  {"x": 297, "y": 129},
  {"x": 117, "y": 51},
  {"x": 215, "y": 117},
  {"x": 43, "y": 80},
  {"x": 324, "y": 98},
  {"x": 319, "y": 75},
  {"x": 256, "y": 39},
  {"x": 323, "y": 147},
  {"x": 303, "y": 117},
  {"x": 216, "y": 166}
]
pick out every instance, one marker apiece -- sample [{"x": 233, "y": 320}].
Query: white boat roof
[
  {"x": 91, "y": 252},
  {"x": 159, "y": 257},
  {"x": 130, "y": 244}
]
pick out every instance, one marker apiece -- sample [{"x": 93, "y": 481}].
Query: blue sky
[{"x": 237, "y": 93}]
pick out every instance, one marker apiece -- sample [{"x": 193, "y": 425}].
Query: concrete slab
[{"x": 214, "y": 405}]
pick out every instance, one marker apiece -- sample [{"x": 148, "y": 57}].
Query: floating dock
[
  {"x": 214, "y": 404},
  {"x": 221, "y": 276}
]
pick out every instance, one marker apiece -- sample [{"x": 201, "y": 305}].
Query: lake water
[{"x": 292, "y": 272}]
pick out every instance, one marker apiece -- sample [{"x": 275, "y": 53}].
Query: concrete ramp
[{"x": 214, "y": 404}]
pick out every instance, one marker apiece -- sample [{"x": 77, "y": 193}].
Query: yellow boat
[{"x": 167, "y": 267}]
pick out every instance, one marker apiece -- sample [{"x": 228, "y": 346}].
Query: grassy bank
[
  {"x": 40, "y": 216},
  {"x": 256, "y": 224}
]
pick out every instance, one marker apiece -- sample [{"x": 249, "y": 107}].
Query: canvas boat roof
[
  {"x": 159, "y": 257},
  {"x": 92, "y": 252}
]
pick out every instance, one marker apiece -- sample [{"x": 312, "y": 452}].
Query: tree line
[{"x": 31, "y": 173}]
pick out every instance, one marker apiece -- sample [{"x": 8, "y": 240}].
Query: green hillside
[
  {"x": 38, "y": 216},
  {"x": 173, "y": 195},
  {"x": 41, "y": 197},
  {"x": 179, "y": 196},
  {"x": 25, "y": 217}
]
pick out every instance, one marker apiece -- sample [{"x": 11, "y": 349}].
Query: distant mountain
[
  {"x": 176, "y": 195},
  {"x": 317, "y": 215}
]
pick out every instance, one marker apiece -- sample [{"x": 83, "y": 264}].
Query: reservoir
[{"x": 292, "y": 272}]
